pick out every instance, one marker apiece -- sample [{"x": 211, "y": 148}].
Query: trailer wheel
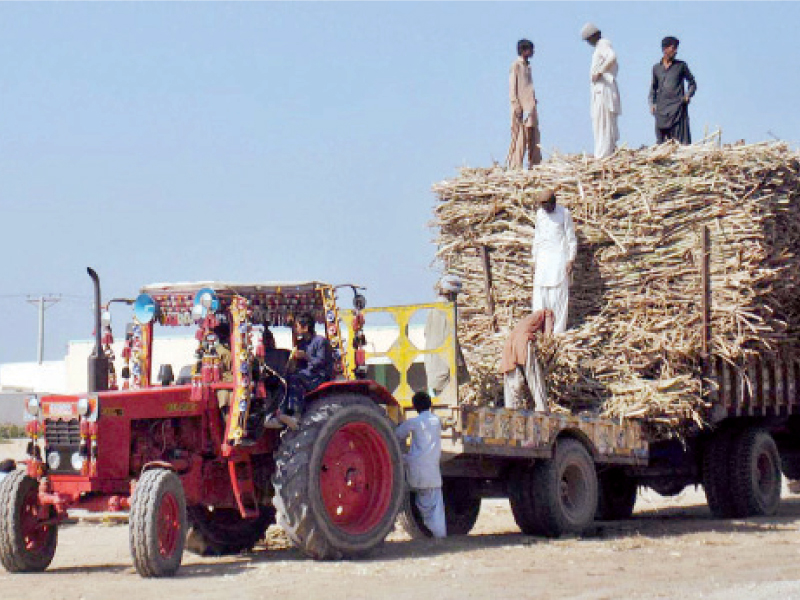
[
  {"x": 564, "y": 490},
  {"x": 755, "y": 474},
  {"x": 222, "y": 531},
  {"x": 716, "y": 474},
  {"x": 462, "y": 505},
  {"x": 616, "y": 495},
  {"x": 520, "y": 496},
  {"x": 157, "y": 523},
  {"x": 339, "y": 480},
  {"x": 26, "y": 544},
  {"x": 409, "y": 518}
]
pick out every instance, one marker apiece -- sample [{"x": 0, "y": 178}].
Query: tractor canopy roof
[{"x": 272, "y": 303}]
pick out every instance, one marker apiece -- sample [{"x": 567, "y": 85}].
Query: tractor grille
[{"x": 61, "y": 434}]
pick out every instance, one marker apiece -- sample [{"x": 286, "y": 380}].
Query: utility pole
[{"x": 44, "y": 303}]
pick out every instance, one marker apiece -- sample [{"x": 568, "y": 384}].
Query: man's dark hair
[
  {"x": 669, "y": 41},
  {"x": 524, "y": 45},
  {"x": 223, "y": 332},
  {"x": 307, "y": 320},
  {"x": 421, "y": 401}
]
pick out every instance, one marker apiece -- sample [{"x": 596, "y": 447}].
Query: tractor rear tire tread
[{"x": 298, "y": 514}]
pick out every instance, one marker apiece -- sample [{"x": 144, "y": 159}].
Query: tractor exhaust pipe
[{"x": 98, "y": 362}]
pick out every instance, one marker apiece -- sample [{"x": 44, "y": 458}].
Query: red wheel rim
[
  {"x": 34, "y": 534},
  {"x": 356, "y": 478},
  {"x": 169, "y": 525}
]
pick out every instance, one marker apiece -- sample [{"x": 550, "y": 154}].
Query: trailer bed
[{"x": 521, "y": 433}]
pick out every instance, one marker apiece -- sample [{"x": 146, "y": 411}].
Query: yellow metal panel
[{"x": 403, "y": 351}]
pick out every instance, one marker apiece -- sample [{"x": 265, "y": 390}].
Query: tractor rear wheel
[
  {"x": 339, "y": 480},
  {"x": 157, "y": 523},
  {"x": 222, "y": 531},
  {"x": 28, "y": 535}
]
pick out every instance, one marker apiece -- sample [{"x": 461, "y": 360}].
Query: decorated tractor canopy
[{"x": 243, "y": 306}]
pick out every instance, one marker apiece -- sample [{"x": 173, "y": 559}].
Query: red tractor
[{"x": 181, "y": 465}]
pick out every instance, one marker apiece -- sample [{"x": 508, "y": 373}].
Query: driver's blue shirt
[{"x": 318, "y": 364}]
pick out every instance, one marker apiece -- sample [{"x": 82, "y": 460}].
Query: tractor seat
[{"x": 276, "y": 358}]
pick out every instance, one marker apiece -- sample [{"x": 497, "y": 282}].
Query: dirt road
[{"x": 671, "y": 549}]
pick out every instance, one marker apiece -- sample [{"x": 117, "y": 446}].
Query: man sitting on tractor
[
  {"x": 310, "y": 365},
  {"x": 221, "y": 348}
]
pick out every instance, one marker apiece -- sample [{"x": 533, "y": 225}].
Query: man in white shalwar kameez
[
  {"x": 422, "y": 462},
  {"x": 606, "y": 106},
  {"x": 553, "y": 253}
]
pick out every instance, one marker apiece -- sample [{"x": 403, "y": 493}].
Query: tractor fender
[
  {"x": 157, "y": 464},
  {"x": 370, "y": 389},
  {"x": 6, "y": 467}
]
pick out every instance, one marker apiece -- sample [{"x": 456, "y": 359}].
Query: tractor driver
[
  {"x": 222, "y": 347},
  {"x": 310, "y": 365}
]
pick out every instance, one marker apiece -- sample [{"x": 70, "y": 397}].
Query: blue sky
[{"x": 286, "y": 141}]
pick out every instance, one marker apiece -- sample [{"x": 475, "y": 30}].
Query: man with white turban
[
  {"x": 554, "y": 248},
  {"x": 605, "y": 94}
]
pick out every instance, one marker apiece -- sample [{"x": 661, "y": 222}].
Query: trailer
[{"x": 561, "y": 471}]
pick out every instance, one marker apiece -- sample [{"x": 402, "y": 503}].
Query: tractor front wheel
[
  {"x": 28, "y": 532},
  {"x": 157, "y": 523},
  {"x": 339, "y": 479}
]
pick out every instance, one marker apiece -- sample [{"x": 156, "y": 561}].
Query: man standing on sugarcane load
[
  {"x": 422, "y": 460},
  {"x": 554, "y": 250},
  {"x": 525, "y": 135},
  {"x": 605, "y": 94},
  {"x": 669, "y": 101}
]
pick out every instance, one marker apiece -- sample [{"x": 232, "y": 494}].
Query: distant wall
[{"x": 12, "y": 407}]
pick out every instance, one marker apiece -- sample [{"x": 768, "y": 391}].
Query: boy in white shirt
[{"x": 424, "y": 476}]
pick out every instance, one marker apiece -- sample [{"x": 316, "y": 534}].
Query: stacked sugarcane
[{"x": 635, "y": 339}]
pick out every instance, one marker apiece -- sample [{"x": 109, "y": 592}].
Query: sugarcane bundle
[{"x": 634, "y": 342}]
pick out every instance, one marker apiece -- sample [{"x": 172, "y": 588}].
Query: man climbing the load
[
  {"x": 422, "y": 460},
  {"x": 523, "y": 377},
  {"x": 554, "y": 250}
]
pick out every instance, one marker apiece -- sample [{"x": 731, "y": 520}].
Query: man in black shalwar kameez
[{"x": 668, "y": 100}]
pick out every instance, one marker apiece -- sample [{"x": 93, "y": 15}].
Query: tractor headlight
[
  {"x": 76, "y": 461},
  {"x": 33, "y": 407},
  {"x": 54, "y": 460},
  {"x": 83, "y": 407}
]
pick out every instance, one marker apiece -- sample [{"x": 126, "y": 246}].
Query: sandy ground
[{"x": 672, "y": 548}]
